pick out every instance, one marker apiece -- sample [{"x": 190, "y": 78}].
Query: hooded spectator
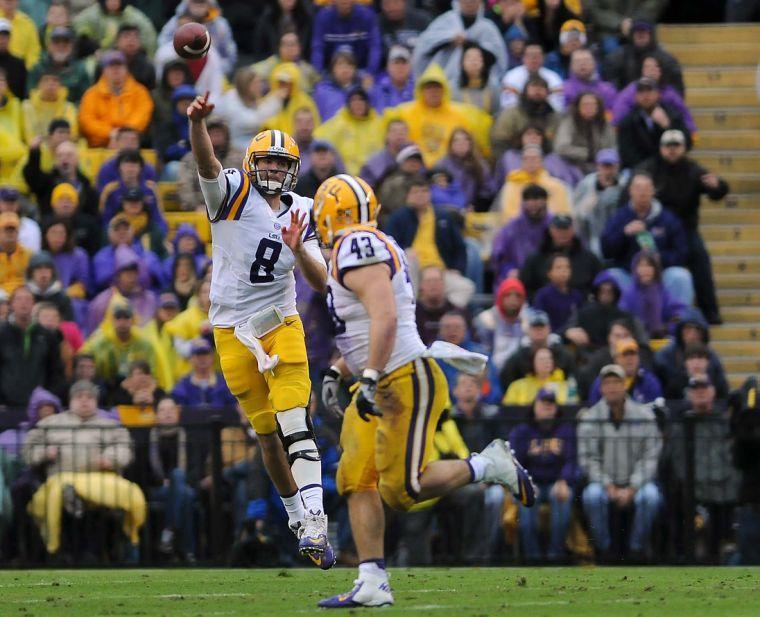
[
  {"x": 572, "y": 37},
  {"x": 192, "y": 323},
  {"x": 245, "y": 108},
  {"x": 531, "y": 172},
  {"x": 522, "y": 235},
  {"x": 560, "y": 237},
  {"x": 355, "y": 130},
  {"x": 290, "y": 49},
  {"x": 443, "y": 41},
  {"x": 641, "y": 384},
  {"x": 346, "y": 23},
  {"x": 670, "y": 361},
  {"x": 168, "y": 362},
  {"x": 287, "y": 77},
  {"x": 208, "y": 13},
  {"x": 41, "y": 405},
  {"x": 501, "y": 327},
  {"x": 186, "y": 241},
  {"x": 396, "y": 85},
  {"x": 71, "y": 262},
  {"x": 626, "y": 98},
  {"x": 116, "y": 100},
  {"x": 125, "y": 285},
  {"x": 584, "y": 77},
  {"x": 42, "y": 281},
  {"x": 596, "y": 199},
  {"x": 47, "y": 102},
  {"x": 11, "y": 116},
  {"x": 584, "y": 132}
]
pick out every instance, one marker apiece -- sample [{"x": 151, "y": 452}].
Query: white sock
[
  {"x": 373, "y": 569},
  {"x": 294, "y": 507},
  {"x": 478, "y": 465},
  {"x": 312, "y": 499}
]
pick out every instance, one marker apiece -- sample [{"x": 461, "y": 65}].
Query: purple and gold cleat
[
  {"x": 313, "y": 542},
  {"x": 505, "y": 469}
]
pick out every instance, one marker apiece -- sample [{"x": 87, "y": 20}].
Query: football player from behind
[
  {"x": 388, "y": 428},
  {"x": 260, "y": 232}
]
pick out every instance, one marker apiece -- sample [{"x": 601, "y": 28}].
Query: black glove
[
  {"x": 365, "y": 400},
  {"x": 330, "y": 388}
]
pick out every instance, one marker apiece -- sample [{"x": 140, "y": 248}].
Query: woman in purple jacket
[{"x": 546, "y": 447}]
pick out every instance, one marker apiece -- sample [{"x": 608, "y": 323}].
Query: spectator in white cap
[
  {"x": 391, "y": 190},
  {"x": 396, "y": 85},
  {"x": 14, "y": 67}
]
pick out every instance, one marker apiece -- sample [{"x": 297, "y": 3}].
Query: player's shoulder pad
[{"x": 361, "y": 248}]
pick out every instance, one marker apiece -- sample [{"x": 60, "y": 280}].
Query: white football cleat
[
  {"x": 505, "y": 469},
  {"x": 368, "y": 591}
]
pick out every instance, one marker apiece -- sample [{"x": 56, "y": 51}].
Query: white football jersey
[
  {"x": 364, "y": 247},
  {"x": 252, "y": 267}
]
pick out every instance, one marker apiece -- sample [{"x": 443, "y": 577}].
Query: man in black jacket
[
  {"x": 679, "y": 183},
  {"x": 29, "y": 354},
  {"x": 640, "y": 131},
  {"x": 560, "y": 238}
]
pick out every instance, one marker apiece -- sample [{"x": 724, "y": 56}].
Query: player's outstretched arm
[{"x": 200, "y": 142}]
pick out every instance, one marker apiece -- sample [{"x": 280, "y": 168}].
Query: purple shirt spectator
[
  {"x": 188, "y": 391},
  {"x": 73, "y": 267},
  {"x": 358, "y": 28},
  {"x": 626, "y": 101},
  {"x": 330, "y": 96},
  {"x": 385, "y": 94},
  {"x": 473, "y": 191},
  {"x": 109, "y": 172},
  {"x": 546, "y": 464},
  {"x": 575, "y": 86},
  {"x": 558, "y": 304},
  {"x": 104, "y": 265}
]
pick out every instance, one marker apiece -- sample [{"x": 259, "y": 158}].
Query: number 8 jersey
[
  {"x": 252, "y": 267},
  {"x": 364, "y": 247}
]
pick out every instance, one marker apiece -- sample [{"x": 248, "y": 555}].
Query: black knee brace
[{"x": 311, "y": 454}]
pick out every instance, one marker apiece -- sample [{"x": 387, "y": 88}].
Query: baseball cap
[
  {"x": 607, "y": 156},
  {"x": 538, "y": 318},
  {"x": 319, "y": 144},
  {"x": 673, "y": 136},
  {"x": 8, "y": 193},
  {"x": 168, "y": 300},
  {"x": 562, "y": 221},
  {"x": 112, "y": 56},
  {"x": 700, "y": 381},
  {"x": 399, "y": 52},
  {"x": 117, "y": 220},
  {"x": 200, "y": 346},
  {"x": 641, "y": 24},
  {"x": 626, "y": 345},
  {"x": 133, "y": 194},
  {"x": 5, "y": 25},
  {"x": 123, "y": 311},
  {"x": 612, "y": 370},
  {"x": 646, "y": 83},
  {"x": 62, "y": 32},
  {"x": 9, "y": 219},
  {"x": 408, "y": 152},
  {"x": 545, "y": 394}
]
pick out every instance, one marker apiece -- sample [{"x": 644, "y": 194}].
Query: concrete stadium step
[
  {"x": 737, "y": 348},
  {"x": 737, "y": 265},
  {"x": 738, "y": 297},
  {"x": 697, "y": 34},
  {"x": 697, "y": 98},
  {"x": 741, "y": 182},
  {"x": 736, "y": 332},
  {"x": 728, "y": 216},
  {"x": 727, "y": 161},
  {"x": 719, "y": 77},
  {"x": 734, "y": 118},
  {"x": 723, "y": 248},
  {"x": 738, "y": 233},
  {"x": 737, "y": 281},
  {"x": 735, "y": 314},
  {"x": 733, "y": 202},
  {"x": 712, "y": 54},
  {"x": 740, "y": 139},
  {"x": 738, "y": 364}
]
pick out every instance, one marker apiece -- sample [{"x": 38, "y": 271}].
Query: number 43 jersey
[
  {"x": 252, "y": 266},
  {"x": 364, "y": 247}
]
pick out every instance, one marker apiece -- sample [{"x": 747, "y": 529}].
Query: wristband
[
  {"x": 371, "y": 374},
  {"x": 334, "y": 371}
]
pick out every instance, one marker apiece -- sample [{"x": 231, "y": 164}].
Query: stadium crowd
[{"x": 531, "y": 157}]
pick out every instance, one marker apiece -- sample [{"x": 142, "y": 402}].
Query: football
[{"x": 192, "y": 41}]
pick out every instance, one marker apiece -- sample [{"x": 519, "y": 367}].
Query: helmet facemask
[{"x": 271, "y": 185}]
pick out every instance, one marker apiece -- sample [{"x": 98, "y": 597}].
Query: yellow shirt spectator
[
  {"x": 14, "y": 257},
  {"x": 46, "y": 103},
  {"x": 424, "y": 244},
  {"x": 25, "y": 41},
  {"x": 288, "y": 75}
]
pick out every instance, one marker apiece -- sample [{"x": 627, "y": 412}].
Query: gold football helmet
[
  {"x": 343, "y": 202},
  {"x": 272, "y": 143}
]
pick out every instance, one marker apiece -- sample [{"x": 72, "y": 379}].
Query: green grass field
[{"x": 534, "y": 592}]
